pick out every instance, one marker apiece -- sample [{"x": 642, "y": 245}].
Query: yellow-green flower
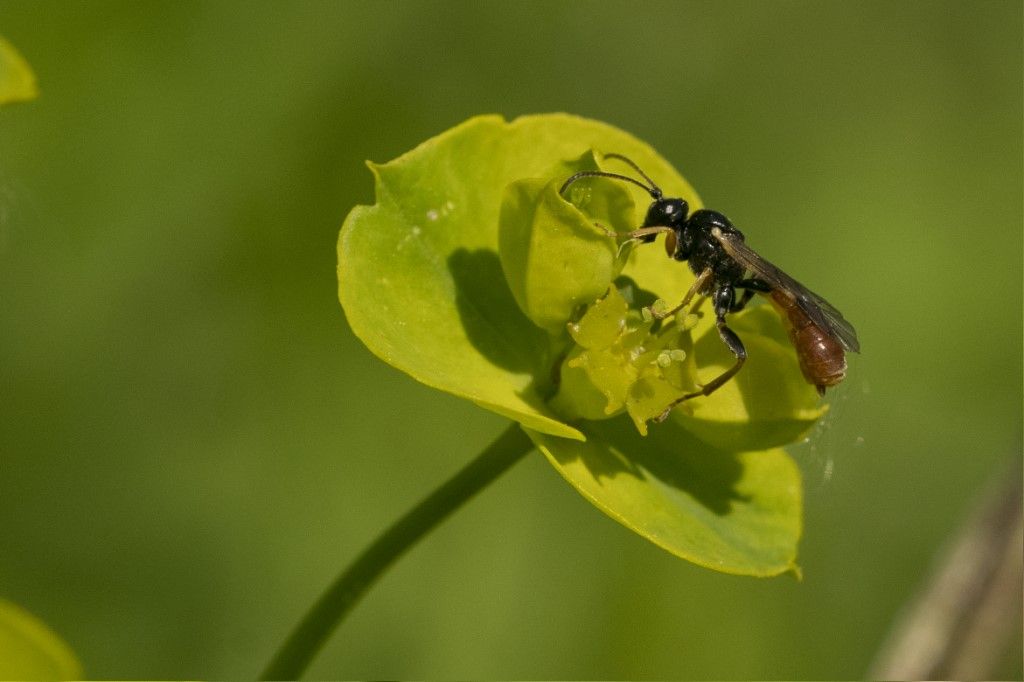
[{"x": 474, "y": 275}]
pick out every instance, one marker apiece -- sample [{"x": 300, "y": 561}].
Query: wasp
[{"x": 729, "y": 273}]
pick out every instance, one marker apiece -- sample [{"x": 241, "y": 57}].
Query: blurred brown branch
[{"x": 959, "y": 625}]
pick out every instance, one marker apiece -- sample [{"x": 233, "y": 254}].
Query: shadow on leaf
[
  {"x": 668, "y": 457},
  {"x": 493, "y": 322},
  {"x": 778, "y": 405}
]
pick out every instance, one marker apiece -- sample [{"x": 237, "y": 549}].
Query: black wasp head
[
  {"x": 666, "y": 213},
  {"x": 663, "y": 212}
]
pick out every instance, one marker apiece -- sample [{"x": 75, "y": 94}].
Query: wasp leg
[
  {"x": 644, "y": 234},
  {"x": 741, "y": 303},
  {"x": 608, "y": 232},
  {"x": 725, "y": 299},
  {"x": 754, "y": 284},
  {"x": 750, "y": 287},
  {"x": 697, "y": 285},
  {"x": 647, "y": 234}
]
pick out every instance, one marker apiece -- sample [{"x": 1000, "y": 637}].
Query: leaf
[
  {"x": 733, "y": 512},
  {"x": 419, "y": 276},
  {"x": 17, "y": 81},
  {"x": 29, "y": 650}
]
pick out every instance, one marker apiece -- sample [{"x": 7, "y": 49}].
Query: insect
[{"x": 725, "y": 266}]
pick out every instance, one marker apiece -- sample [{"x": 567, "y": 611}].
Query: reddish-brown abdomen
[{"x": 822, "y": 358}]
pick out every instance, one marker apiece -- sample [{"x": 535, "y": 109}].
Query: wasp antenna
[
  {"x": 653, "y": 190},
  {"x": 656, "y": 193}
]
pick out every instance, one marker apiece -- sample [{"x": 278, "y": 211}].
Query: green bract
[
  {"x": 474, "y": 275},
  {"x": 535, "y": 219}
]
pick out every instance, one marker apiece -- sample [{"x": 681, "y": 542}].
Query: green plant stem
[{"x": 309, "y": 636}]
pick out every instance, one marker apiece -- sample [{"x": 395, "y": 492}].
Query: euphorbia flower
[{"x": 473, "y": 275}]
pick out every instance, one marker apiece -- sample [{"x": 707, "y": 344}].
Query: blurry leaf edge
[
  {"x": 29, "y": 629},
  {"x": 17, "y": 79}
]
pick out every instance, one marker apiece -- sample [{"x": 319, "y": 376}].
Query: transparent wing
[{"x": 821, "y": 312}]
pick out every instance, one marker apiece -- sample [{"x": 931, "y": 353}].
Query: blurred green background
[{"x": 192, "y": 443}]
